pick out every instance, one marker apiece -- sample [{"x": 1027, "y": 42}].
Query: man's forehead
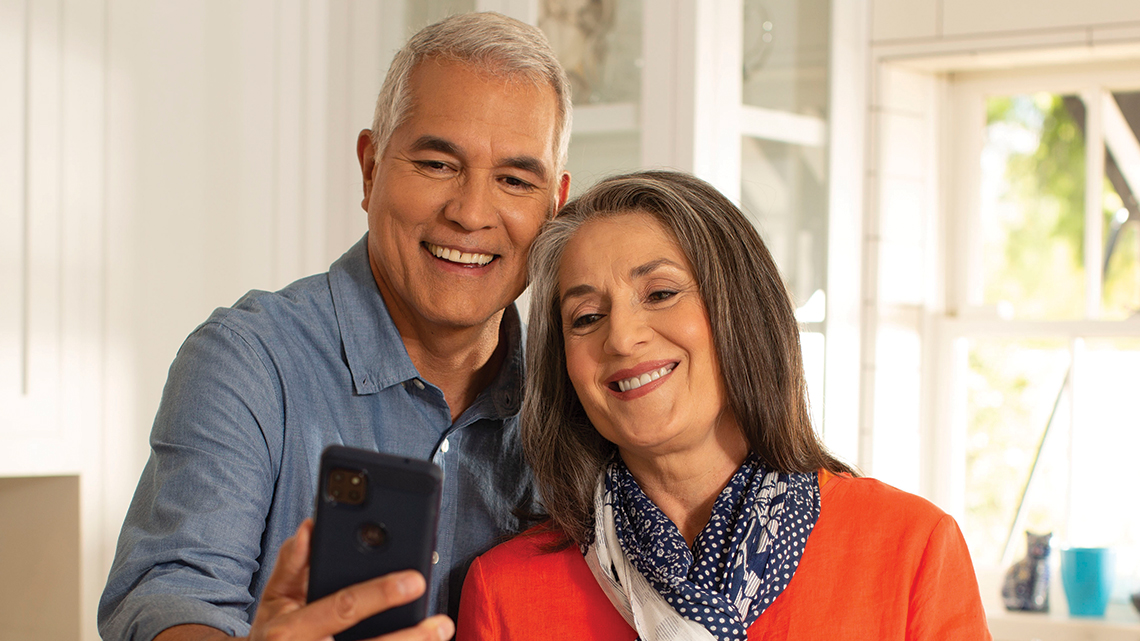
[{"x": 446, "y": 95}]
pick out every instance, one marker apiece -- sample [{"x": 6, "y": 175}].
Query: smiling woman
[
  {"x": 667, "y": 424},
  {"x": 640, "y": 353}
]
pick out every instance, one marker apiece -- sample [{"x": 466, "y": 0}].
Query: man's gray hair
[{"x": 489, "y": 41}]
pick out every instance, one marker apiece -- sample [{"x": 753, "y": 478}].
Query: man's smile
[{"x": 457, "y": 256}]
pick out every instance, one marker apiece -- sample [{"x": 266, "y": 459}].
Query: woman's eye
[
  {"x": 661, "y": 294},
  {"x": 585, "y": 320}
]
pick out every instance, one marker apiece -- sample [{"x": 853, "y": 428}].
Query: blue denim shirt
[{"x": 253, "y": 397}]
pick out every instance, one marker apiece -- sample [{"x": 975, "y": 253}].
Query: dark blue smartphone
[{"x": 375, "y": 514}]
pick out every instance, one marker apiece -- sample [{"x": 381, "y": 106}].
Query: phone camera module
[
  {"x": 372, "y": 535},
  {"x": 346, "y": 486}
]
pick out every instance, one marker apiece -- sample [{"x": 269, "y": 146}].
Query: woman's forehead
[{"x": 626, "y": 243}]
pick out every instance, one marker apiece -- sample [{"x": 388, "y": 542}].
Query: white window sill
[{"x": 1121, "y": 623}]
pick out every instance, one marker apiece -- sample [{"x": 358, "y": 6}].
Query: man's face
[{"x": 460, "y": 193}]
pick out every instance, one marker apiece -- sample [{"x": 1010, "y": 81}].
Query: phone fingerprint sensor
[{"x": 372, "y": 535}]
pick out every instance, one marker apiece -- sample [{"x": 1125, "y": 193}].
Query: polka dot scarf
[{"x": 738, "y": 565}]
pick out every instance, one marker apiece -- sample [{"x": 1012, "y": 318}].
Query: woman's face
[{"x": 639, "y": 348}]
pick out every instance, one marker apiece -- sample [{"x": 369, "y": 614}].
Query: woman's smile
[{"x": 627, "y": 380}]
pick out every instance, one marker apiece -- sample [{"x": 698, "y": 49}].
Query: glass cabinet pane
[
  {"x": 599, "y": 45},
  {"x": 784, "y": 192},
  {"x": 421, "y": 13},
  {"x": 786, "y": 55}
]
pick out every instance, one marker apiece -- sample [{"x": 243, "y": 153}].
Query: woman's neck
[{"x": 685, "y": 485}]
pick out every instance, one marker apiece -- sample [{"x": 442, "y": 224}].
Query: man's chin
[{"x": 464, "y": 317}]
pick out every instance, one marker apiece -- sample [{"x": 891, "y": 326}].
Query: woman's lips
[{"x": 636, "y": 378}]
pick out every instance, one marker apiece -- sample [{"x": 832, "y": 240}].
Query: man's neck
[{"x": 460, "y": 362}]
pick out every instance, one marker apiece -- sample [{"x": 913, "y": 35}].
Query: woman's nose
[
  {"x": 626, "y": 331},
  {"x": 472, "y": 206}
]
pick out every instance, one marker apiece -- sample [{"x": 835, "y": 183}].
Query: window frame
[{"x": 964, "y": 317}]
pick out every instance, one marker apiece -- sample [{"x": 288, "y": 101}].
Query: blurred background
[{"x": 948, "y": 187}]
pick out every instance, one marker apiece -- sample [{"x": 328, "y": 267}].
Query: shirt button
[
  {"x": 434, "y": 558},
  {"x": 444, "y": 446},
  {"x": 418, "y": 383}
]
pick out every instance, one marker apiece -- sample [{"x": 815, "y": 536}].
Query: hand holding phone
[
  {"x": 375, "y": 514},
  {"x": 284, "y": 614}
]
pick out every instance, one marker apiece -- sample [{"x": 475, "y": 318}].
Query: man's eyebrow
[
  {"x": 526, "y": 163},
  {"x": 434, "y": 143}
]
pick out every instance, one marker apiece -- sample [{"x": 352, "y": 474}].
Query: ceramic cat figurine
[{"x": 1026, "y": 584}]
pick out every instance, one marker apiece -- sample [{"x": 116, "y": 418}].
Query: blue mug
[{"x": 1087, "y": 575}]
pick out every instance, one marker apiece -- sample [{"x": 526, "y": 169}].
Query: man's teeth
[
  {"x": 456, "y": 256},
  {"x": 638, "y": 381}
]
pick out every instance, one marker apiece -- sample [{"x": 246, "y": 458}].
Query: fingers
[
  {"x": 344, "y": 608},
  {"x": 436, "y": 628}
]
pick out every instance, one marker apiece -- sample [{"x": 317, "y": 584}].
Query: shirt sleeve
[
  {"x": 191, "y": 541},
  {"x": 478, "y": 619},
  {"x": 945, "y": 603}
]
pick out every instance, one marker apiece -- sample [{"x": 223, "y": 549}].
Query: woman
[{"x": 667, "y": 424}]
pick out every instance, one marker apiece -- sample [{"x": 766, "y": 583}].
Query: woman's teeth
[
  {"x": 638, "y": 381},
  {"x": 456, "y": 256}
]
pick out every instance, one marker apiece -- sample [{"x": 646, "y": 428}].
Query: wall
[
  {"x": 1002, "y": 23},
  {"x": 158, "y": 160}
]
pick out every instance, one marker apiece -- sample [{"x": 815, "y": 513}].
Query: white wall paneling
[
  {"x": 13, "y": 213},
  {"x": 690, "y": 112},
  {"x": 51, "y": 246},
  {"x": 848, "y": 81}
]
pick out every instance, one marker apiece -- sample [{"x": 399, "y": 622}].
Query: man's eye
[
  {"x": 432, "y": 165},
  {"x": 517, "y": 183}
]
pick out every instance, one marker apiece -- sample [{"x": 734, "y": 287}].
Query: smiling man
[{"x": 410, "y": 344}]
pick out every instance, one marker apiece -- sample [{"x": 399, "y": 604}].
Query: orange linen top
[{"x": 879, "y": 565}]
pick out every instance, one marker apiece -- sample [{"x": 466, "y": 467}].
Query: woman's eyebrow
[
  {"x": 651, "y": 266},
  {"x": 578, "y": 290}
]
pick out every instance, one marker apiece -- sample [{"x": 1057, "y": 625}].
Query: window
[{"x": 1043, "y": 310}]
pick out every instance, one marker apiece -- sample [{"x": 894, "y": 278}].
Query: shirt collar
[{"x": 374, "y": 350}]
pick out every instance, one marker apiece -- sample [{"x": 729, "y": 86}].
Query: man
[{"x": 410, "y": 344}]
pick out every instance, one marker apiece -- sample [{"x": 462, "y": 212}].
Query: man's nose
[
  {"x": 627, "y": 329},
  {"x": 473, "y": 206}
]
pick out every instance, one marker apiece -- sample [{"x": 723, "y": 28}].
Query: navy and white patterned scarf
[{"x": 738, "y": 565}]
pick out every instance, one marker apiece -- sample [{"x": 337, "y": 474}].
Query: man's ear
[
  {"x": 563, "y": 192},
  {"x": 366, "y": 154}
]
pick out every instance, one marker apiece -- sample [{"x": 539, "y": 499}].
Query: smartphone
[{"x": 375, "y": 514}]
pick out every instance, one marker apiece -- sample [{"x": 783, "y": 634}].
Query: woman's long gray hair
[{"x": 753, "y": 327}]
